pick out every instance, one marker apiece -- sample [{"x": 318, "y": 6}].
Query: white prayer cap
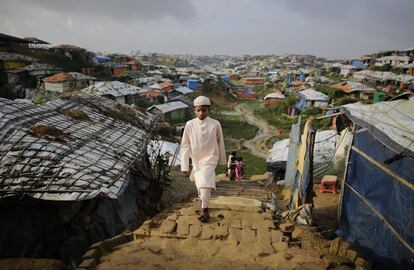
[{"x": 202, "y": 100}]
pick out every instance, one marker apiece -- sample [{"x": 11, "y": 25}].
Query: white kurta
[{"x": 203, "y": 142}]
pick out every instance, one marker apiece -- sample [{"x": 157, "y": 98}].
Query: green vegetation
[
  {"x": 345, "y": 100},
  {"x": 273, "y": 116},
  {"x": 322, "y": 124},
  {"x": 78, "y": 60},
  {"x": 386, "y": 67},
  {"x": 334, "y": 77},
  {"x": 210, "y": 87},
  {"x": 218, "y": 94},
  {"x": 40, "y": 100},
  {"x": 252, "y": 104},
  {"x": 252, "y": 164},
  {"x": 236, "y": 127},
  {"x": 330, "y": 92},
  {"x": 166, "y": 132},
  {"x": 230, "y": 144}
]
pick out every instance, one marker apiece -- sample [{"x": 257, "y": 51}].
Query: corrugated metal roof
[
  {"x": 169, "y": 107},
  {"x": 71, "y": 149},
  {"x": 184, "y": 90},
  {"x": 113, "y": 88}
]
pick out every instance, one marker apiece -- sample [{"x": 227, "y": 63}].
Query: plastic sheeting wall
[
  {"x": 377, "y": 213},
  {"x": 65, "y": 230}
]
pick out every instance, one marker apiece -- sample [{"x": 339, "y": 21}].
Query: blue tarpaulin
[
  {"x": 102, "y": 59},
  {"x": 377, "y": 209}
]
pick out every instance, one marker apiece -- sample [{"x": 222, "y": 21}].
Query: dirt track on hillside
[{"x": 257, "y": 145}]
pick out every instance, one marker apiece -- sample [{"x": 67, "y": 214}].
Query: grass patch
[
  {"x": 230, "y": 144},
  {"x": 234, "y": 126},
  {"x": 252, "y": 164},
  {"x": 252, "y": 104},
  {"x": 279, "y": 121}
]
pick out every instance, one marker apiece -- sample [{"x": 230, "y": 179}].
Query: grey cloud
[
  {"x": 388, "y": 16},
  {"x": 125, "y": 10},
  {"x": 332, "y": 28}
]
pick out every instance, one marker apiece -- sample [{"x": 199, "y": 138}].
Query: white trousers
[{"x": 204, "y": 194}]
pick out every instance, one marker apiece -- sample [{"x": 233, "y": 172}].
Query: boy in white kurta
[{"x": 203, "y": 142}]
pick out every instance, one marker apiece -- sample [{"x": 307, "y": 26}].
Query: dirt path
[
  {"x": 241, "y": 235},
  {"x": 257, "y": 145}
]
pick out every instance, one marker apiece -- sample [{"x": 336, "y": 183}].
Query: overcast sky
[{"x": 328, "y": 28}]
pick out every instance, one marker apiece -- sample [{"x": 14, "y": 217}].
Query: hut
[
  {"x": 310, "y": 98},
  {"x": 73, "y": 172},
  {"x": 355, "y": 90},
  {"x": 273, "y": 98},
  {"x": 377, "y": 195},
  {"x": 175, "y": 111}
]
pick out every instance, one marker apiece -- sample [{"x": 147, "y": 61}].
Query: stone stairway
[{"x": 240, "y": 235}]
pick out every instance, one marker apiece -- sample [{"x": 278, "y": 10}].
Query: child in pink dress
[{"x": 239, "y": 168}]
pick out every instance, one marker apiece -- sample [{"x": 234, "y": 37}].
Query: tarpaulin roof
[
  {"x": 274, "y": 95},
  {"x": 312, "y": 94},
  {"x": 326, "y": 142},
  {"x": 383, "y": 76},
  {"x": 70, "y": 149},
  {"x": 102, "y": 59},
  {"x": 390, "y": 121},
  {"x": 351, "y": 86}
]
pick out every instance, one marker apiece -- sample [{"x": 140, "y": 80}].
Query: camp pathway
[
  {"x": 257, "y": 145},
  {"x": 240, "y": 235}
]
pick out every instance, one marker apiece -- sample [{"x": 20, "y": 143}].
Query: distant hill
[{"x": 78, "y": 59}]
